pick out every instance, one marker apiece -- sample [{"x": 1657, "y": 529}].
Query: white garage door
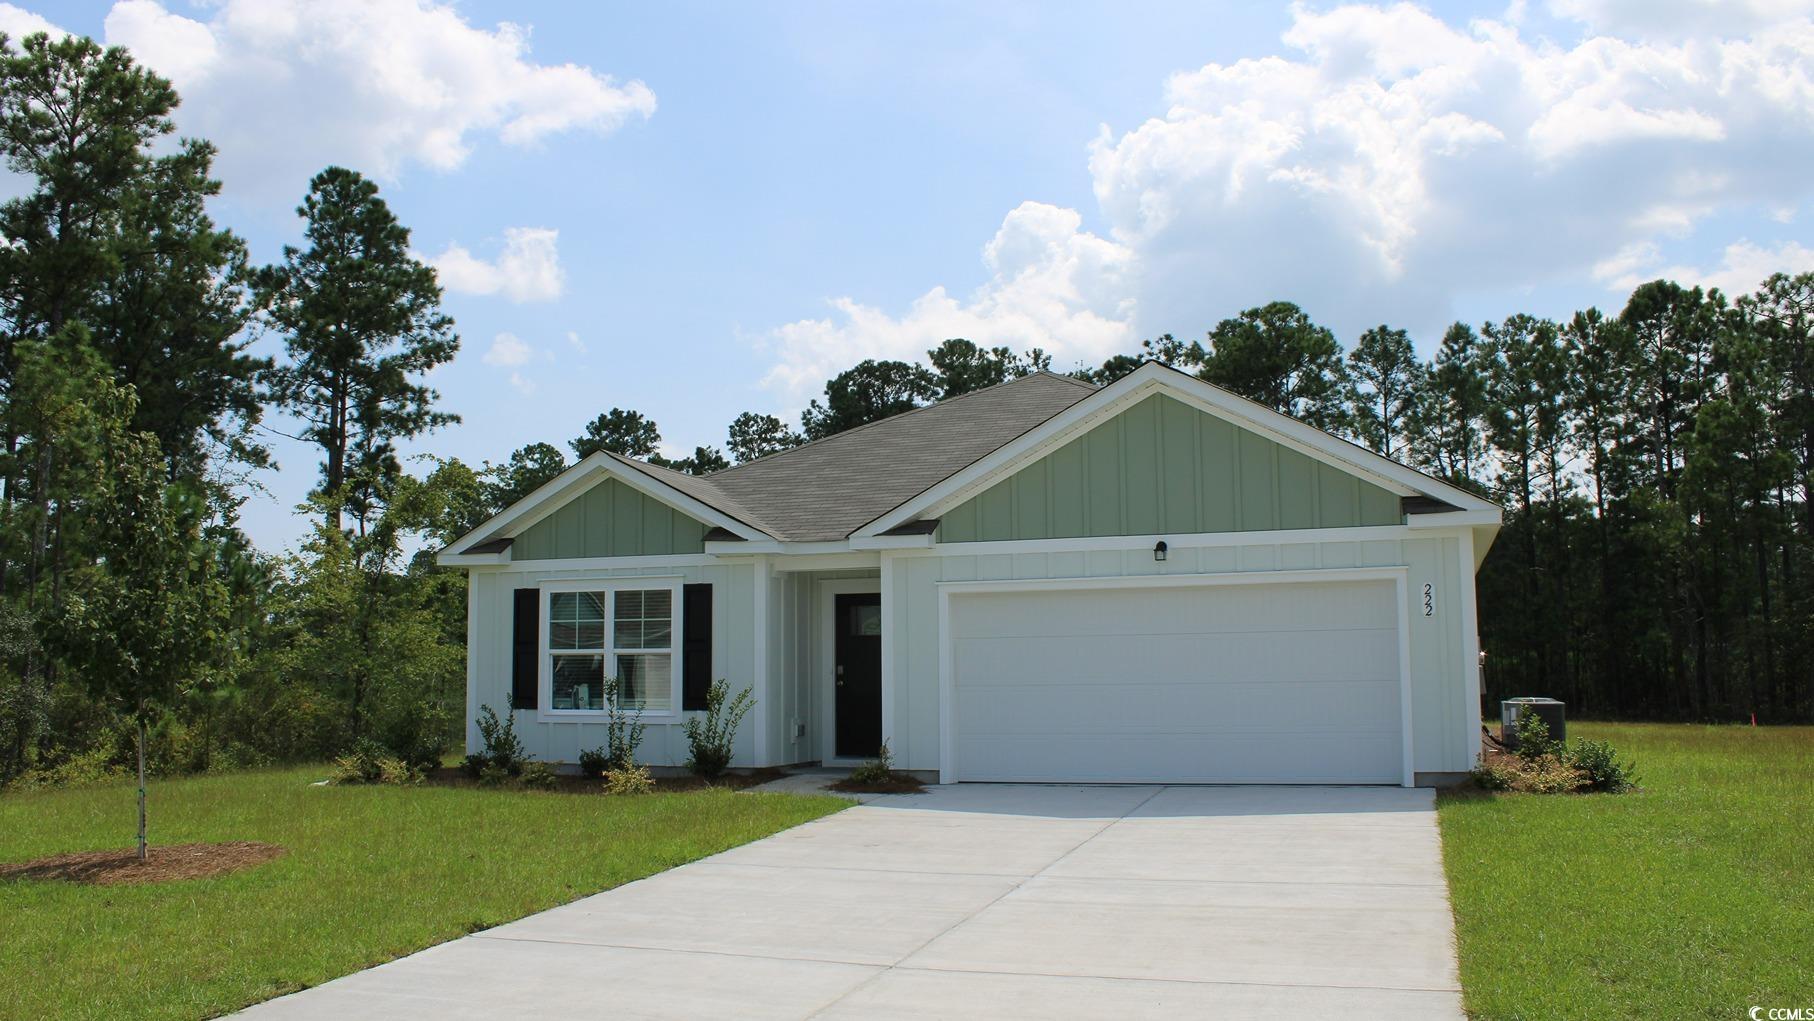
[{"x": 1225, "y": 683}]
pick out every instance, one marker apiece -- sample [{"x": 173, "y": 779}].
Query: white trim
[
  {"x": 888, "y": 646},
  {"x": 548, "y": 498},
  {"x": 544, "y": 698},
  {"x": 948, "y": 589},
  {"x": 1137, "y": 385},
  {"x": 846, "y": 561},
  {"x": 1470, "y": 652},
  {"x": 826, "y": 621},
  {"x": 471, "y": 729},
  {"x": 1454, "y": 519},
  {"x": 759, "y": 740},
  {"x": 473, "y": 559},
  {"x": 733, "y": 548},
  {"x": 1192, "y": 540},
  {"x": 891, "y": 542},
  {"x": 657, "y": 562}
]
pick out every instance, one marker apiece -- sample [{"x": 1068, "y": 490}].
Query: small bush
[
  {"x": 623, "y": 727},
  {"x": 593, "y": 763},
  {"x": 879, "y": 770},
  {"x": 1550, "y": 776},
  {"x": 474, "y": 765},
  {"x": 493, "y": 775},
  {"x": 631, "y": 779},
  {"x": 503, "y": 748},
  {"x": 539, "y": 776},
  {"x": 1494, "y": 776},
  {"x": 80, "y": 770},
  {"x": 1599, "y": 764},
  {"x": 370, "y": 763},
  {"x": 1533, "y": 735},
  {"x": 710, "y": 737}
]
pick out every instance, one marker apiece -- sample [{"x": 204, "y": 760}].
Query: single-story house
[{"x": 1047, "y": 580}]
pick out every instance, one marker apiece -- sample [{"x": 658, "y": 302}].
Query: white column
[{"x": 759, "y": 682}]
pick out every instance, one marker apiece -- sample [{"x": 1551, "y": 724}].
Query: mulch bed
[
  {"x": 452, "y": 776},
  {"x": 162, "y": 864},
  {"x": 897, "y": 783}
]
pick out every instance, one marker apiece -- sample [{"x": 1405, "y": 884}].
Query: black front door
[{"x": 857, "y": 675}]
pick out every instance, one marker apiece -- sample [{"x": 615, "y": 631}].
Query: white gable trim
[
  {"x": 1137, "y": 386},
  {"x": 557, "y": 492}
]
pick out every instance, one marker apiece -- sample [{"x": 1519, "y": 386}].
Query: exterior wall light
[{"x": 1159, "y": 550}]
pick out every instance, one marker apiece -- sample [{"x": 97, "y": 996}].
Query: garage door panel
[
  {"x": 1228, "y": 608},
  {"x": 1222, "y": 708},
  {"x": 1308, "y": 655},
  {"x": 1179, "y": 758},
  {"x": 1267, "y": 682}
]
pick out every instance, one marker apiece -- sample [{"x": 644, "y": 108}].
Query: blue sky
[{"x": 793, "y": 187}]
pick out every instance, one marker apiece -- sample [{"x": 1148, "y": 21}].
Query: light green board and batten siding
[
  {"x": 1163, "y": 467},
  {"x": 610, "y": 520}
]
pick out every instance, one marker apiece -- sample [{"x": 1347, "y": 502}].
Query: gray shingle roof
[{"x": 827, "y": 489}]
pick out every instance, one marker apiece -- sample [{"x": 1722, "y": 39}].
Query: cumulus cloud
[
  {"x": 1742, "y": 267},
  {"x": 285, "y": 87},
  {"x": 1385, "y": 163},
  {"x": 1051, "y": 285},
  {"x": 507, "y": 350},
  {"x": 18, "y": 23},
  {"x": 1396, "y": 160},
  {"x": 527, "y": 269}
]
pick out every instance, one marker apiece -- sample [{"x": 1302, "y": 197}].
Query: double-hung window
[{"x": 623, "y": 631}]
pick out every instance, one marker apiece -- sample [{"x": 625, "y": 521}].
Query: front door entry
[{"x": 857, "y": 675}]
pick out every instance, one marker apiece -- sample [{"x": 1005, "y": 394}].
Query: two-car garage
[{"x": 1258, "y": 678}]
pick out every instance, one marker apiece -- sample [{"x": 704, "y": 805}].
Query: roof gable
[
  {"x": 1162, "y": 466},
  {"x": 610, "y": 519},
  {"x": 1151, "y": 378}
]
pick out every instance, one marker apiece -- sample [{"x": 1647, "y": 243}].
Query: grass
[
  {"x": 1693, "y": 897},
  {"x": 371, "y": 873}
]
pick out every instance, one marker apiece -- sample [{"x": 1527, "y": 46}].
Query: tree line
[{"x": 1655, "y": 464}]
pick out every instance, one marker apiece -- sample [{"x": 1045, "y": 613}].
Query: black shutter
[
  {"x": 525, "y": 678},
  {"x": 696, "y": 646}
]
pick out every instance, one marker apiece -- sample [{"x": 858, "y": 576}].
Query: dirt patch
[
  {"x": 897, "y": 783},
  {"x": 162, "y": 864},
  {"x": 452, "y": 776}
]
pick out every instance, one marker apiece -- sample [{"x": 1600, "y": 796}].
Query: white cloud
[
  {"x": 1051, "y": 285},
  {"x": 1395, "y": 161},
  {"x": 528, "y": 268},
  {"x": 1384, "y": 164},
  {"x": 575, "y": 343},
  {"x": 18, "y": 23},
  {"x": 285, "y": 87},
  {"x": 507, "y": 350},
  {"x": 1742, "y": 267}
]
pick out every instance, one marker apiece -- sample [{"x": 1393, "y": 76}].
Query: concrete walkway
[{"x": 986, "y": 901}]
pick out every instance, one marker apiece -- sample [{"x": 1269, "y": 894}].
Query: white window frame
[{"x": 609, "y": 586}]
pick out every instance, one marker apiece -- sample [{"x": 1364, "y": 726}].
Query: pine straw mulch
[
  {"x": 897, "y": 783},
  {"x": 573, "y": 783},
  {"x": 162, "y": 864}
]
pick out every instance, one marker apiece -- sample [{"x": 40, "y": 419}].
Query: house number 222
[{"x": 1429, "y": 599}]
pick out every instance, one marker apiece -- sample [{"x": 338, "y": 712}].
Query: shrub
[
  {"x": 539, "y": 776},
  {"x": 879, "y": 770},
  {"x": 710, "y": 737},
  {"x": 503, "y": 748},
  {"x": 1550, "y": 776},
  {"x": 1599, "y": 765},
  {"x": 493, "y": 775},
  {"x": 594, "y": 763},
  {"x": 1533, "y": 735},
  {"x": 474, "y": 765},
  {"x": 1494, "y": 776},
  {"x": 623, "y": 727},
  {"x": 368, "y": 762},
  {"x": 631, "y": 779}
]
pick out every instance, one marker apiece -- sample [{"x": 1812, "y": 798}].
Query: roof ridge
[{"x": 891, "y": 418}]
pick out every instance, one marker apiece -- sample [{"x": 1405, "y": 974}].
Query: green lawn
[
  {"x": 372, "y": 873},
  {"x": 1691, "y": 898}
]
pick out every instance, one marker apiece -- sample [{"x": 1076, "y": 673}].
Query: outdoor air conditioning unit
[{"x": 1548, "y": 710}]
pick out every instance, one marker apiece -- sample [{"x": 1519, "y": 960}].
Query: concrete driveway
[{"x": 986, "y": 901}]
